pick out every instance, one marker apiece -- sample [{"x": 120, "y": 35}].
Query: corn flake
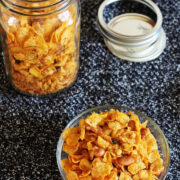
[
  {"x": 100, "y": 169},
  {"x": 102, "y": 143},
  {"x": 124, "y": 176},
  {"x": 84, "y": 165},
  {"x": 72, "y": 175},
  {"x": 136, "y": 167}
]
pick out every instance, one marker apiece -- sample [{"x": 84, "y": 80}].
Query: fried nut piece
[
  {"x": 144, "y": 132},
  {"x": 132, "y": 125},
  {"x": 99, "y": 152},
  {"x": 126, "y": 160}
]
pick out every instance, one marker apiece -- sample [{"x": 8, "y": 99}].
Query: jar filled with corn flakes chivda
[{"x": 40, "y": 40}]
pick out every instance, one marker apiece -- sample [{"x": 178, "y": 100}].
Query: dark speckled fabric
[{"x": 30, "y": 126}]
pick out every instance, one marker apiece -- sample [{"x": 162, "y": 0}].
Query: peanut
[
  {"x": 132, "y": 125},
  {"x": 126, "y": 160},
  {"x": 144, "y": 132},
  {"x": 99, "y": 152}
]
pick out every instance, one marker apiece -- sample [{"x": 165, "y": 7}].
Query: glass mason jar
[{"x": 40, "y": 41}]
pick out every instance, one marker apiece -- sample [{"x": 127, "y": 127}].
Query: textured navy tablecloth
[{"x": 30, "y": 126}]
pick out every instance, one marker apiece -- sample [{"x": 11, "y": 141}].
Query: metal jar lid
[{"x": 133, "y": 36}]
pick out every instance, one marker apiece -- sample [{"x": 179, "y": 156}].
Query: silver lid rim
[
  {"x": 108, "y": 33},
  {"x": 151, "y": 56},
  {"x": 129, "y": 42}
]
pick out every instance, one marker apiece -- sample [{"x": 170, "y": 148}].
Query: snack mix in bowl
[{"x": 109, "y": 146}]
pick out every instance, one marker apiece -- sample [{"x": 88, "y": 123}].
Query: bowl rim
[{"x": 61, "y": 141}]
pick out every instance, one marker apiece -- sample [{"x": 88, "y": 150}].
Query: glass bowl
[{"x": 154, "y": 128}]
